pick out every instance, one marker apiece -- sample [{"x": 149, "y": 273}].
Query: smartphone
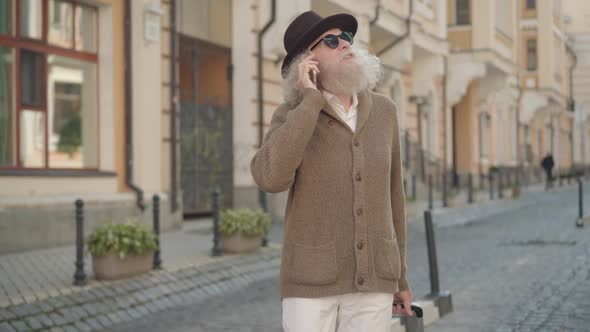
[{"x": 314, "y": 77}]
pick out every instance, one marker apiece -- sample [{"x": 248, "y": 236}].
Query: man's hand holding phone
[{"x": 308, "y": 71}]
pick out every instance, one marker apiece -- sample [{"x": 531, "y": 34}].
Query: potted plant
[
  {"x": 121, "y": 250},
  {"x": 242, "y": 229}
]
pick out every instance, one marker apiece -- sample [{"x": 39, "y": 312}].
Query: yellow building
[
  {"x": 410, "y": 38},
  {"x": 577, "y": 27},
  {"x": 81, "y": 116},
  {"x": 546, "y": 115},
  {"x": 482, "y": 85}
]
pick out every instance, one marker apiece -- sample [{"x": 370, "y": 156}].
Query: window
[
  {"x": 31, "y": 22},
  {"x": 427, "y": 3},
  {"x": 52, "y": 122},
  {"x": 484, "y": 132},
  {"x": 7, "y": 17},
  {"x": 61, "y": 24},
  {"x": 7, "y": 105},
  {"x": 32, "y": 78},
  {"x": 462, "y": 12},
  {"x": 531, "y": 4},
  {"x": 531, "y": 54}
]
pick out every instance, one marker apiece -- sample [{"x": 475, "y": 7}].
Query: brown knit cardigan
[{"x": 345, "y": 225}]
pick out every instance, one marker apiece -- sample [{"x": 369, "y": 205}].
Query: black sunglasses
[{"x": 332, "y": 40}]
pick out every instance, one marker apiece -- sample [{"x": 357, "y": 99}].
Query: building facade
[
  {"x": 82, "y": 115},
  {"x": 115, "y": 101},
  {"x": 577, "y": 27}
]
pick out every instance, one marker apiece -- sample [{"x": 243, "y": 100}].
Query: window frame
[
  {"x": 19, "y": 43},
  {"x": 466, "y": 11},
  {"x": 527, "y": 4},
  {"x": 527, "y": 50}
]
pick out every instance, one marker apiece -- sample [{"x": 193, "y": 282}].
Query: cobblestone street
[{"x": 520, "y": 270}]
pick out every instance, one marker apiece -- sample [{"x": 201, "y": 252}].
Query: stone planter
[
  {"x": 111, "y": 267},
  {"x": 239, "y": 243}
]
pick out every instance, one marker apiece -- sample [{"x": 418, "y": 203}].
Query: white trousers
[{"x": 356, "y": 312}]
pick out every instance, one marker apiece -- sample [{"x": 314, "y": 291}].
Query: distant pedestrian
[
  {"x": 335, "y": 145},
  {"x": 548, "y": 163}
]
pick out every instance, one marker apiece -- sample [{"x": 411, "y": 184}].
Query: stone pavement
[
  {"x": 36, "y": 291},
  {"x": 517, "y": 270},
  {"x": 100, "y": 305}
]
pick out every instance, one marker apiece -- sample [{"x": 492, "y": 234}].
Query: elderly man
[{"x": 335, "y": 146}]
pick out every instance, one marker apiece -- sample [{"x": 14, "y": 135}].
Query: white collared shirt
[{"x": 348, "y": 117}]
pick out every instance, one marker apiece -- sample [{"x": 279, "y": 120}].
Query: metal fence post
[
  {"x": 158, "y": 253},
  {"x": 79, "y": 276},
  {"x": 216, "y": 251}
]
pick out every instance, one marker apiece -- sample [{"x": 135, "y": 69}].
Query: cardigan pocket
[
  {"x": 311, "y": 265},
  {"x": 387, "y": 259}
]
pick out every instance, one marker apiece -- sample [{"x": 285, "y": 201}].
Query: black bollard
[
  {"x": 443, "y": 300},
  {"x": 414, "y": 186},
  {"x": 500, "y": 180},
  {"x": 580, "y": 199},
  {"x": 432, "y": 261},
  {"x": 405, "y": 185},
  {"x": 430, "y": 192},
  {"x": 79, "y": 275},
  {"x": 491, "y": 185},
  {"x": 216, "y": 251},
  {"x": 469, "y": 188},
  {"x": 444, "y": 190},
  {"x": 158, "y": 253},
  {"x": 482, "y": 180}
]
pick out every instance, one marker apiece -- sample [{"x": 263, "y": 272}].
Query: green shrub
[
  {"x": 124, "y": 239},
  {"x": 247, "y": 221}
]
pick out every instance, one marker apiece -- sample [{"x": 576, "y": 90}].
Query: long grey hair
[{"x": 336, "y": 78}]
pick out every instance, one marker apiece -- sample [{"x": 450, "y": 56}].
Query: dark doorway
[{"x": 205, "y": 125}]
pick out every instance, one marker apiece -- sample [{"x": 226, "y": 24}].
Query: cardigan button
[
  {"x": 356, "y": 142},
  {"x": 360, "y": 281},
  {"x": 331, "y": 122},
  {"x": 360, "y": 245},
  {"x": 359, "y": 211},
  {"x": 358, "y": 176}
]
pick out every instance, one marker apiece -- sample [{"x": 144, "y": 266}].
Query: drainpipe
[
  {"x": 129, "y": 109},
  {"x": 402, "y": 37},
  {"x": 372, "y": 22},
  {"x": 571, "y": 101},
  {"x": 261, "y": 33},
  {"x": 444, "y": 113},
  {"x": 173, "y": 99},
  {"x": 377, "y": 11},
  {"x": 519, "y": 151}
]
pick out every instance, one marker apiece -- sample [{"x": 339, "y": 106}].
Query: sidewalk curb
[{"x": 104, "y": 304}]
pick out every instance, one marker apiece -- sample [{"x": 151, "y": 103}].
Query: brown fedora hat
[{"x": 308, "y": 26}]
